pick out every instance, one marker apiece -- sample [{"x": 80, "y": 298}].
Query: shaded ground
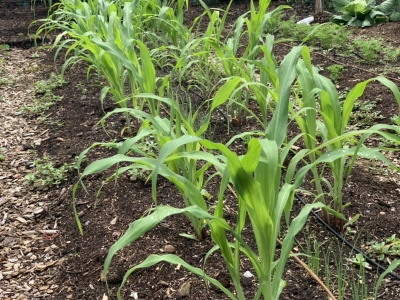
[{"x": 372, "y": 191}]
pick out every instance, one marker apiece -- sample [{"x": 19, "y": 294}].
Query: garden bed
[{"x": 66, "y": 265}]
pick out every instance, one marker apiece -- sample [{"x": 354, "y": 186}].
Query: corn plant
[
  {"x": 216, "y": 56},
  {"x": 170, "y": 135},
  {"x": 314, "y": 87},
  {"x": 113, "y": 47},
  {"x": 257, "y": 43},
  {"x": 257, "y": 179},
  {"x": 196, "y": 64},
  {"x": 109, "y": 36}
]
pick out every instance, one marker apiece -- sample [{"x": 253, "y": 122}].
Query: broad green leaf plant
[{"x": 363, "y": 13}]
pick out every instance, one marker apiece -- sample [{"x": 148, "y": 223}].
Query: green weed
[
  {"x": 388, "y": 248},
  {"x": 272, "y": 23},
  {"x": 290, "y": 30},
  {"x": 331, "y": 36},
  {"x": 4, "y": 47},
  {"x": 48, "y": 86},
  {"x": 390, "y": 53},
  {"x": 47, "y": 99},
  {"x": 41, "y": 104},
  {"x": 46, "y": 175},
  {"x": 335, "y": 71},
  {"x": 1, "y": 154},
  {"x": 374, "y": 50},
  {"x": 364, "y": 114}
]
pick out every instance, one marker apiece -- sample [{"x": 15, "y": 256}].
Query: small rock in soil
[
  {"x": 169, "y": 249},
  {"x": 184, "y": 290},
  {"x": 114, "y": 276}
]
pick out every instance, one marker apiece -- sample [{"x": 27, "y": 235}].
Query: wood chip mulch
[{"x": 28, "y": 260}]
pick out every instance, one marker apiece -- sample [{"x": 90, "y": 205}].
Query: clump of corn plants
[{"x": 124, "y": 41}]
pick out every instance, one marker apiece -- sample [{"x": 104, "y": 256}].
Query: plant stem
[{"x": 313, "y": 275}]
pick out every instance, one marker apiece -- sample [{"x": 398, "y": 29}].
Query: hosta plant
[{"x": 363, "y": 13}]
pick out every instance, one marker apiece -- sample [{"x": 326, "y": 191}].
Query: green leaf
[
  {"x": 395, "y": 16},
  {"x": 166, "y": 150},
  {"x": 352, "y": 220},
  {"x": 391, "y": 267},
  {"x": 387, "y": 7},
  {"x": 287, "y": 72},
  {"x": 173, "y": 259},
  {"x": 143, "y": 225},
  {"x": 148, "y": 71},
  {"x": 225, "y": 92},
  {"x": 287, "y": 244},
  {"x": 348, "y": 104},
  {"x": 251, "y": 159}
]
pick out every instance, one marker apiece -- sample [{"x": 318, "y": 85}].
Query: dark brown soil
[{"x": 370, "y": 192}]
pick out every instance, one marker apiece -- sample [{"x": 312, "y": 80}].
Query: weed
[
  {"x": 147, "y": 147},
  {"x": 290, "y": 30},
  {"x": 387, "y": 143},
  {"x": 8, "y": 80},
  {"x": 1, "y": 154},
  {"x": 33, "y": 69},
  {"x": 360, "y": 261},
  {"x": 4, "y": 47},
  {"x": 41, "y": 104},
  {"x": 335, "y": 71},
  {"x": 331, "y": 36},
  {"x": 46, "y": 175},
  {"x": 50, "y": 121},
  {"x": 47, "y": 86},
  {"x": 273, "y": 23},
  {"x": 139, "y": 175},
  {"x": 380, "y": 250},
  {"x": 374, "y": 50},
  {"x": 369, "y": 49},
  {"x": 83, "y": 88},
  {"x": 390, "y": 53},
  {"x": 396, "y": 120},
  {"x": 327, "y": 37},
  {"x": 365, "y": 114}
]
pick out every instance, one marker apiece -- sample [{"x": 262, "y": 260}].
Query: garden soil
[{"x": 42, "y": 253}]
